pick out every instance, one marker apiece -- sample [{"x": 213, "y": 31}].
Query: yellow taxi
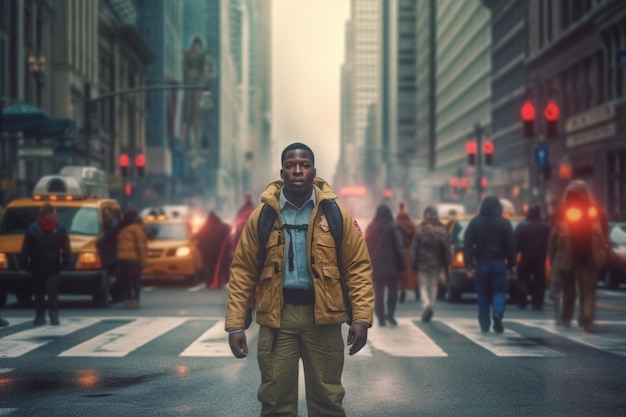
[
  {"x": 172, "y": 251},
  {"x": 80, "y": 196}
]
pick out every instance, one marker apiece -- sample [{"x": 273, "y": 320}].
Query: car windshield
[
  {"x": 77, "y": 220},
  {"x": 618, "y": 234},
  {"x": 167, "y": 231},
  {"x": 460, "y": 226}
]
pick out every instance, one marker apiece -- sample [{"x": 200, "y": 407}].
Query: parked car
[
  {"x": 614, "y": 274},
  {"x": 172, "y": 251}
]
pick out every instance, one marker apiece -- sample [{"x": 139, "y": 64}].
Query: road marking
[
  {"x": 405, "y": 340},
  {"x": 606, "y": 342},
  {"x": 214, "y": 342},
  {"x": 23, "y": 342},
  {"x": 507, "y": 344},
  {"x": 123, "y": 340}
]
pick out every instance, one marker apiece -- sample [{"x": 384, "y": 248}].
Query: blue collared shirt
[{"x": 299, "y": 277}]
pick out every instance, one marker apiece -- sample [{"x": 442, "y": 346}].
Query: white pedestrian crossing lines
[{"x": 410, "y": 338}]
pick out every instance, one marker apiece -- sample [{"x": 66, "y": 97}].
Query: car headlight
[
  {"x": 88, "y": 260},
  {"x": 457, "y": 260},
  {"x": 3, "y": 261},
  {"x": 183, "y": 251}
]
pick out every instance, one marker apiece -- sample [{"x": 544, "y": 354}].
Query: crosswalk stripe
[
  {"x": 605, "y": 342},
  {"x": 18, "y": 344},
  {"x": 214, "y": 342},
  {"x": 405, "y": 339},
  {"x": 507, "y": 344},
  {"x": 123, "y": 340}
]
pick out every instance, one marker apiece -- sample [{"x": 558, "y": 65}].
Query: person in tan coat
[
  {"x": 132, "y": 254},
  {"x": 299, "y": 304}
]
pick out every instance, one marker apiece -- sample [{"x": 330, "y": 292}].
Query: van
[{"x": 82, "y": 212}]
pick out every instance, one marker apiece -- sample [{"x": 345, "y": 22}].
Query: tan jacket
[
  {"x": 132, "y": 243},
  {"x": 329, "y": 304}
]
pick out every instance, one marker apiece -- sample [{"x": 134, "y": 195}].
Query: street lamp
[{"x": 37, "y": 67}]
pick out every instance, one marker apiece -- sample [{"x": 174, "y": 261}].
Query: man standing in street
[
  {"x": 430, "y": 256},
  {"x": 132, "y": 255},
  {"x": 300, "y": 304},
  {"x": 489, "y": 250},
  {"x": 45, "y": 244},
  {"x": 531, "y": 241}
]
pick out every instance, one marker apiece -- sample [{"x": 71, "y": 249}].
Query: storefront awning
[{"x": 32, "y": 121}]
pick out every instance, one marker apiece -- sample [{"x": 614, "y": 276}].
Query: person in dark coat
[
  {"x": 107, "y": 250},
  {"x": 210, "y": 238},
  {"x": 489, "y": 250},
  {"x": 408, "y": 278},
  {"x": 45, "y": 249},
  {"x": 531, "y": 241},
  {"x": 386, "y": 249}
]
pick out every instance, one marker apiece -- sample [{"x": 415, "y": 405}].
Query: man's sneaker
[
  {"x": 497, "y": 324},
  {"x": 427, "y": 314},
  {"x": 392, "y": 321},
  {"x": 3, "y": 322}
]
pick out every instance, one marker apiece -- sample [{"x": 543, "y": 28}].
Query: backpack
[{"x": 335, "y": 224}]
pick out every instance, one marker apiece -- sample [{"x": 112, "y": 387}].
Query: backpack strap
[
  {"x": 335, "y": 224},
  {"x": 264, "y": 228}
]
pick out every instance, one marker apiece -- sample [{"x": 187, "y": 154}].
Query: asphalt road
[{"x": 171, "y": 358}]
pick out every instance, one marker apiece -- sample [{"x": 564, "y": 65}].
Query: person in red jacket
[{"x": 46, "y": 244}]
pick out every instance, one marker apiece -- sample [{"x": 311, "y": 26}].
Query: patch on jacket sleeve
[
  {"x": 324, "y": 223},
  {"x": 357, "y": 227}
]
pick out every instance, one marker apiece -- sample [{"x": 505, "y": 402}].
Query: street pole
[{"x": 478, "y": 132}]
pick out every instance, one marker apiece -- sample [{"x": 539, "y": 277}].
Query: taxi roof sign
[{"x": 59, "y": 187}]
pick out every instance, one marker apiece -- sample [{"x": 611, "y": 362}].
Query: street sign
[
  {"x": 542, "y": 155},
  {"x": 35, "y": 152}
]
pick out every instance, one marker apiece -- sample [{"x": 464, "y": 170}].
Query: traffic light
[
  {"x": 454, "y": 183},
  {"x": 470, "y": 149},
  {"x": 124, "y": 160},
  {"x": 488, "y": 151},
  {"x": 483, "y": 183},
  {"x": 140, "y": 163},
  {"x": 128, "y": 189},
  {"x": 551, "y": 113},
  {"x": 528, "y": 114}
]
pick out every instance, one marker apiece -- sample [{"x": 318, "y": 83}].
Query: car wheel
[
  {"x": 453, "y": 296},
  {"x": 610, "y": 280},
  {"x": 102, "y": 298},
  {"x": 193, "y": 279},
  {"x": 24, "y": 298}
]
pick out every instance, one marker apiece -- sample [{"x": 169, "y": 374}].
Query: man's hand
[
  {"x": 238, "y": 345},
  {"x": 357, "y": 337}
]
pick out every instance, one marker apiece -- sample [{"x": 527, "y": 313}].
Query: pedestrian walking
[
  {"x": 107, "y": 250},
  {"x": 407, "y": 280},
  {"x": 222, "y": 271},
  {"x": 46, "y": 248},
  {"x": 384, "y": 243},
  {"x": 430, "y": 255},
  {"x": 531, "y": 241},
  {"x": 489, "y": 250},
  {"x": 210, "y": 238},
  {"x": 132, "y": 254},
  {"x": 577, "y": 248},
  {"x": 300, "y": 305}
]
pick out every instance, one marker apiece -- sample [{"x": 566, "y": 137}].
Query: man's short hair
[
  {"x": 46, "y": 209},
  {"x": 431, "y": 212},
  {"x": 293, "y": 146}
]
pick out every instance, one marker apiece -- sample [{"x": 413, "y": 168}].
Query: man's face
[{"x": 298, "y": 173}]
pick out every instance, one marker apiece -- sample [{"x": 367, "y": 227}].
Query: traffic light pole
[{"x": 478, "y": 133}]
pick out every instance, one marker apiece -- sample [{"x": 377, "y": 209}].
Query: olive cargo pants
[{"x": 321, "y": 349}]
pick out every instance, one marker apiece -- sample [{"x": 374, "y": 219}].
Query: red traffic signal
[
  {"x": 454, "y": 182},
  {"x": 551, "y": 113},
  {"x": 528, "y": 113},
  {"x": 470, "y": 149},
  {"x": 484, "y": 183},
  {"x": 124, "y": 161},
  {"x": 488, "y": 151},
  {"x": 140, "y": 163},
  {"x": 388, "y": 193},
  {"x": 128, "y": 189},
  {"x": 464, "y": 182}
]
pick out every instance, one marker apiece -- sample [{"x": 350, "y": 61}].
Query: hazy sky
[{"x": 308, "y": 50}]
